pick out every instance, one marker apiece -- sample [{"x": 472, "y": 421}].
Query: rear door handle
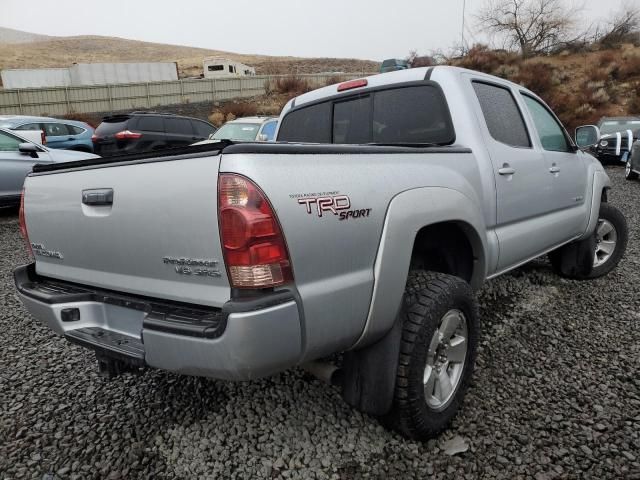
[
  {"x": 506, "y": 170},
  {"x": 554, "y": 169},
  {"x": 98, "y": 197}
]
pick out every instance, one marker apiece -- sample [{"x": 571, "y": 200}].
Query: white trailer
[
  {"x": 86, "y": 74},
  {"x": 216, "y": 67}
]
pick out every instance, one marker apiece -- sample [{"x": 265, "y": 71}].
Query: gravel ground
[{"x": 556, "y": 395}]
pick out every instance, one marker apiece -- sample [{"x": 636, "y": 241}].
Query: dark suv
[{"x": 143, "y": 132}]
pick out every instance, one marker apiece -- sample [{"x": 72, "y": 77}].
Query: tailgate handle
[{"x": 101, "y": 196}]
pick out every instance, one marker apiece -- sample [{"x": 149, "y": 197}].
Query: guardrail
[{"x": 112, "y": 98}]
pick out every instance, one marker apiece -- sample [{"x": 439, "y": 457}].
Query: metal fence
[{"x": 112, "y": 98}]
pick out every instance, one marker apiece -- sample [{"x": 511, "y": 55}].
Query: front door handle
[
  {"x": 506, "y": 170},
  {"x": 554, "y": 169}
]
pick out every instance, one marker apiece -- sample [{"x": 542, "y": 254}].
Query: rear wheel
[
  {"x": 437, "y": 354},
  {"x": 629, "y": 174}
]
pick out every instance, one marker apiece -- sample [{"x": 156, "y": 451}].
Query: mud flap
[
  {"x": 575, "y": 259},
  {"x": 368, "y": 375}
]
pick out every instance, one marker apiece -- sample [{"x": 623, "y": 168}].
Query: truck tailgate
[{"x": 158, "y": 237}]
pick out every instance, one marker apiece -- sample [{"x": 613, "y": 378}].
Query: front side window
[
  {"x": 269, "y": 130},
  {"x": 551, "y": 134},
  {"x": 9, "y": 143},
  {"x": 28, "y": 126},
  {"x": 502, "y": 115},
  {"x": 55, "y": 129},
  {"x": 202, "y": 129}
]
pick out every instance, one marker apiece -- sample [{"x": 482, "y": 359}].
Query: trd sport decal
[{"x": 339, "y": 205}]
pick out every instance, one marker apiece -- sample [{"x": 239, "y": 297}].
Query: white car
[
  {"x": 246, "y": 129},
  {"x": 18, "y": 155}
]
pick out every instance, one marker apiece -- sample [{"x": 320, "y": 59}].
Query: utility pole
[{"x": 464, "y": 7}]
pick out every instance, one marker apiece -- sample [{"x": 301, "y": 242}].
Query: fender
[
  {"x": 600, "y": 181},
  {"x": 403, "y": 220}
]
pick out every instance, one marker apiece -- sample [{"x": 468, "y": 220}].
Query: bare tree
[
  {"x": 624, "y": 27},
  {"x": 531, "y": 26}
]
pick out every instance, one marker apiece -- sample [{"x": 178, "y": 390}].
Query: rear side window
[
  {"x": 111, "y": 127},
  {"x": 150, "y": 124},
  {"x": 413, "y": 114},
  {"x": 178, "y": 126},
  {"x": 55, "y": 129},
  {"x": 29, "y": 126},
  {"x": 309, "y": 124},
  {"x": 351, "y": 121},
  {"x": 503, "y": 117},
  {"x": 73, "y": 130},
  {"x": 202, "y": 129}
]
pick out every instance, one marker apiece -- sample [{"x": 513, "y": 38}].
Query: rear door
[
  {"x": 15, "y": 166},
  {"x": 523, "y": 182},
  {"x": 152, "y": 129}
]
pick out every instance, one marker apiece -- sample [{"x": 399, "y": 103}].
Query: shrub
[
  {"x": 239, "y": 109},
  {"x": 630, "y": 65},
  {"x": 292, "y": 84},
  {"x": 481, "y": 58},
  {"x": 633, "y": 106},
  {"x": 217, "y": 118},
  {"x": 536, "y": 76},
  {"x": 333, "y": 80}
]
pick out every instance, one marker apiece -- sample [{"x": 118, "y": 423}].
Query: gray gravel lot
[{"x": 556, "y": 394}]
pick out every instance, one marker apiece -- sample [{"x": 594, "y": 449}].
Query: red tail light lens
[
  {"x": 254, "y": 248},
  {"x": 127, "y": 135},
  {"x": 43, "y": 138},
  {"x": 23, "y": 225},
  {"x": 94, "y": 138}
]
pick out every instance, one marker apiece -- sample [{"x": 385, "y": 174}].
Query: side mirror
[
  {"x": 263, "y": 138},
  {"x": 587, "y": 136},
  {"x": 29, "y": 148}
]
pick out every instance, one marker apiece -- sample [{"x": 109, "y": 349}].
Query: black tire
[
  {"x": 428, "y": 297},
  {"x": 628, "y": 173},
  {"x": 614, "y": 217}
]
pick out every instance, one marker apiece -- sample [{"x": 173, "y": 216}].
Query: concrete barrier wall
[{"x": 111, "y": 98}]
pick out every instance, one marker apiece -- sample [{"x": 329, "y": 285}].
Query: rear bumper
[{"x": 243, "y": 341}]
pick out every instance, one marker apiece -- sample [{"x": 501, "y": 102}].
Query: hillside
[
  {"x": 63, "y": 51},
  {"x": 9, "y": 36},
  {"x": 580, "y": 87}
]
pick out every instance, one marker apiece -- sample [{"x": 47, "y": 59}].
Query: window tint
[
  {"x": 112, "y": 126},
  {"x": 179, "y": 126},
  {"x": 269, "y": 130},
  {"x": 411, "y": 115},
  {"x": 55, "y": 129},
  {"x": 351, "y": 121},
  {"x": 502, "y": 115},
  {"x": 73, "y": 130},
  {"x": 9, "y": 143},
  {"x": 150, "y": 124},
  {"x": 549, "y": 130},
  {"x": 310, "y": 124},
  {"x": 29, "y": 126},
  {"x": 202, "y": 129}
]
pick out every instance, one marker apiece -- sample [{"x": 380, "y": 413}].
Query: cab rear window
[{"x": 413, "y": 114}]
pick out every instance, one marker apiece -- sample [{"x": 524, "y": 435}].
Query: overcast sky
[{"x": 372, "y": 29}]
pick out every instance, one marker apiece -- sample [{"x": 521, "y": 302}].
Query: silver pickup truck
[{"x": 365, "y": 230}]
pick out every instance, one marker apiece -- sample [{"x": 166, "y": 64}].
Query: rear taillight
[
  {"x": 254, "y": 248},
  {"x": 127, "y": 135},
  {"x": 94, "y": 138},
  {"x": 23, "y": 225},
  {"x": 43, "y": 138}
]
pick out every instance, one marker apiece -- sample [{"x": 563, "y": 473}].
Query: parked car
[
  {"x": 59, "y": 134},
  {"x": 148, "y": 131},
  {"x": 393, "y": 64},
  {"x": 418, "y": 187},
  {"x": 632, "y": 167},
  {"x": 18, "y": 155},
  {"x": 617, "y": 135},
  {"x": 247, "y": 129}
]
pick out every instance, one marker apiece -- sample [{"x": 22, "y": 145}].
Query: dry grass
[{"x": 63, "y": 51}]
